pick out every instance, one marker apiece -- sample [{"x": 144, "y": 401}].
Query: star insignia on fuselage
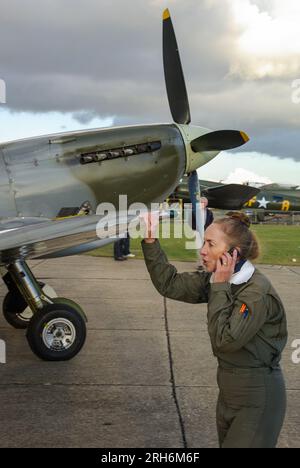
[{"x": 263, "y": 203}]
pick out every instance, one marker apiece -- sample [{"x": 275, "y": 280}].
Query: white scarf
[{"x": 242, "y": 276}]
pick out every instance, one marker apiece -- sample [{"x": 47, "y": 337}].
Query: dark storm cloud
[
  {"x": 102, "y": 56},
  {"x": 99, "y": 57}
]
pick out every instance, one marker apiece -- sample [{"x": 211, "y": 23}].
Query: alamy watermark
[
  {"x": 2, "y": 352},
  {"x": 2, "y": 92},
  {"x": 296, "y": 92},
  {"x": 296, "y": 353},
  {"x": 177, "y": 223}
]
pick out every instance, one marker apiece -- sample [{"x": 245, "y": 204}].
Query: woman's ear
[
  {"x": 238, "y": 249},
  {"x": 238, "y": 252}
]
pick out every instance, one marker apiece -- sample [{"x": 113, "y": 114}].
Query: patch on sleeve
[{"x": 244, "y": 311}]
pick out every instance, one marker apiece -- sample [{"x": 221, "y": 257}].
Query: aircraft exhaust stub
[{"x": 98, "y": 156}]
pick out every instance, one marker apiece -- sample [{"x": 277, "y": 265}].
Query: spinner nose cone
[
  {"x": 195, "y": 159},
  {"x": 202, "y": 145}
]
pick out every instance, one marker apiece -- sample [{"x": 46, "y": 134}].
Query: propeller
[
  {"x": 174, "y": 78},
  {"x": 180, "y": 110},
  {"x": 219, "y": 141}
]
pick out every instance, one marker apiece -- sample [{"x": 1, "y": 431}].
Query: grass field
[{"x": 280, "y": 245}]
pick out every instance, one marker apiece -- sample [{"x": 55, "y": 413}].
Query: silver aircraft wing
[{"x": 44, "y": 238}]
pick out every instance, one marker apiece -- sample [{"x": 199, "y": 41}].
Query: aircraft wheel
[
  {"x": 16, "y": 311},
  {"x": 261, "y": 216},
  {"x": 57, "y": 332},
  {"x": 69, "y": 302}
]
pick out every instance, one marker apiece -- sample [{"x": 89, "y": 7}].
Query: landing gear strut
[{"x": 56, "y": 327}]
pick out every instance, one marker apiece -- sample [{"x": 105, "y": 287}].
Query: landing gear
[
  {"x": 57, "y": 332},
  {"x": 16, "y": 310},
  {"x": 56, "y": 327}
]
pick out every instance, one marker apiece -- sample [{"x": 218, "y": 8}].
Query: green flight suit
[{"x": 248, "y": 331}]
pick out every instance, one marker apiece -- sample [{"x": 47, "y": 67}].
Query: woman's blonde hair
[{"x": 236, "y": 227}]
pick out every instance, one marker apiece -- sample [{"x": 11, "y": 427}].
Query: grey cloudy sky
[{"x": 103, "y": 58}]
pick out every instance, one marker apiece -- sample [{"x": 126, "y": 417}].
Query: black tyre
[
  {"x": 260, "y": 216},
  {"x": 14, "y": 310},
  {"x": 57, "y": 332},
  {"x": 69, "y": 302}
]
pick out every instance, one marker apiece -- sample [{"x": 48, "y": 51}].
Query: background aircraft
[
  {"x": 276, "y": 197},
  {"x": 222, "y": 196},
  {"x": 45, "y": 182}
]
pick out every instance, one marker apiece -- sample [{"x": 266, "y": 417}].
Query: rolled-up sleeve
[{"x": 186, "y": 287}]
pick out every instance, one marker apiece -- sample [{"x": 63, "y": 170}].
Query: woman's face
[{"x": 215, "y": 244}]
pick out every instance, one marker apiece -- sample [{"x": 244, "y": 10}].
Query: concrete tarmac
[{"x": 146, "y": 376}]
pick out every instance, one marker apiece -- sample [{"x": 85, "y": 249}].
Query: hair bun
[{"x": 238, "y": 215}]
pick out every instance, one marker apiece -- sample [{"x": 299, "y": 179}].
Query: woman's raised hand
[{"x": 151, "y": 221}]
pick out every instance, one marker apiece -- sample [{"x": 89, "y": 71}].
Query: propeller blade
[
  {"x": 197, "y": 213},
  {"x": 174, "y": 78},
  {"x": 219, "y": 141}
]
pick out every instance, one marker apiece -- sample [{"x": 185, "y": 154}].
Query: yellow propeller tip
[
  {"x": 166, "y": 14},
  {"x": 245, "y": 136}
]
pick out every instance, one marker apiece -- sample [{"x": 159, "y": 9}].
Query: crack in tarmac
[{"x": 174, "y": 393}]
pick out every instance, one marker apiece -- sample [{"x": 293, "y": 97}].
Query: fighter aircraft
[
  {"x": 219, "y": 195},
  {"x": 45, "y": 182}
]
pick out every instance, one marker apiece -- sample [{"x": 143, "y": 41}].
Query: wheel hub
[{"x": 59, "y": 334}]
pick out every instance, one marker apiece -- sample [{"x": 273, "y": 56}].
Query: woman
[{"x": 246, "y": 324}]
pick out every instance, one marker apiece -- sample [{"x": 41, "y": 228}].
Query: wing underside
[
  {"x": 229, "y": 197},
  {"x": 34, "y": 238}
]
